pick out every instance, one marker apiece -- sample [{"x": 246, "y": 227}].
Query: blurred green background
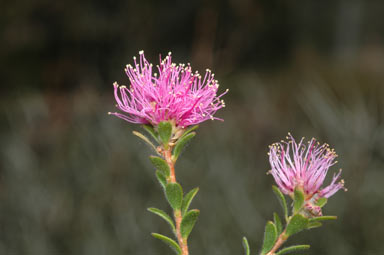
[{"x": 74, "y": 180}]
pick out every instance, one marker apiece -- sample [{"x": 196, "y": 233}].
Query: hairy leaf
[
  {"x": 174, "y": 194},
  {"x": 298, "y": 200},
  {"x": 246, "y": 246},
  {"x": 277, "y": 221},
  {"x": 282, "y": 200},
  {"x": 296, "y": 224},
  {"x": 293, "y": 248},
  {"x": 188, "y": 222},
  {"x": 187, "y": 200},
  {"x": 161, "y": 165},
  {"x": 165, "y": 131},
  {"x": 171, "y": 243},
  {"x": 163, "y": 215},
  {"x": 161, "y": 178},
  {"x": 270, "y": 237},
  {"x": 181, "y": 144}
]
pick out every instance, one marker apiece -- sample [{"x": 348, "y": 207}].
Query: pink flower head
[
  {"x": 305, "y": 167},
  {"x": 174, "y": 94}
]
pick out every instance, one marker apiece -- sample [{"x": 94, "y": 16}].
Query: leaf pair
[{"x": 174, "y": 194}]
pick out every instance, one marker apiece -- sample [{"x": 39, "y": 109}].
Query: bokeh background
[{"x": 74, "y": 180}]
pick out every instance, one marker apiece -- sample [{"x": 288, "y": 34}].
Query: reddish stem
[
  {"x": 280, "y": 241},
  {"x": 177, "y": 213}
]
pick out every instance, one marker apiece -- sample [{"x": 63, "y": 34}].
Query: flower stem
[
  {"x": 176, "y": 213},
  {"x": 280, "y": 241}
]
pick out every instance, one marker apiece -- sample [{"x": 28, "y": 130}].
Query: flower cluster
[
  {"x": 295, "y": 165},
  {"x": 175, "y": 94}
]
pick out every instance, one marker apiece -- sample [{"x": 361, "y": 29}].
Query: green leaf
[
  {"x": 187, "y": 200},
  {"x": 163, "y": 215},
  {"x": 189, "y": 130},
  {"x": 145, "y": 139},
  {"x": 321, "y": 218},
  {"x": 277, "y": 221},
  {"x": 181, "y": 144},
  {"x": 160, "y": 164},
  {"x": 282, "y": 200},
  {"x": 296, "y": 224},
  {"x": 161, "y": 178},
  {"x": 165, "y": 131},
  {"x": 270, "y": 236},
  {"x": 151, "y": 131},
  {"x": 246, "y": 246},
  {"x": 171, "y": 243},
  {"x": 314, "y": 224},
  {"x": 321, "y": 201},
  {"x": 188, "y": 222},
  {"x": 293, "y": 249},
  {"x": 298, "y": 200},
  {"x": 174, "y": 194}
]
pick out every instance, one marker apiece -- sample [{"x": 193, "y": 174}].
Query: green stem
[{"x": 167, "y": 153}]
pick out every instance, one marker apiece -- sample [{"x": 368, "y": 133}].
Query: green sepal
[
  {"x": 189, "y": 130},
  {"x": 165, "y": 131},
  {"x": 278, "y": 224},
  {"x": 171, "y": 243},
  {"x": 270, "y": 236},
  {"x": 174, "y": 194},
  {"x": 160, "y": 165},
  {"x": 296, "y": 224},
  {"x": 145, "y": 139},
  {"x": 188, "y": 222},
  {"x": 161, "y": 178},
  {"x": 282, "y": 200},
  {"x": 321, "y": 201},
  {"x": 163, "y": 215},
  {"x": 182, "y": 141},
  {"x": 187, "y": 200},
  {"x": 246, "y": 246},
  {"x": 322, "y": 218},
  {"x": 314, "y": 224},
  {"x": 150, "y": 130},
  {"x": 293, "y": 248},
  {"x": 298, "y": 200}
]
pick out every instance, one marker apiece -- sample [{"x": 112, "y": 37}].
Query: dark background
[{"x": 74, "y": 180}]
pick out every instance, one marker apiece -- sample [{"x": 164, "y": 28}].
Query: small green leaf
[
  {"x": 160, "y": 164},
  {"x": 321, "y": 218},
  {"x": 246, "y": 246},
  {"x": 188, "y": 222},
  {"x": 181, "y": 144},
  {"x": 189, "y": 130},
  {"x": 165, "y": 131},
  {"x": 174, "y": 194},
  {"x": 270, "y": 236},
  {"x": 161, "y": 178},
  {"x": 151, "y": 131},
  {"x": 282, "y": 200},
  {"x": 163, "y": 215},
  {"x": 277, "y": 221},
  {"x": 296, "y": 224},
  {"x": 187, "y": 200},
  {"x": 298, "y": 200},
  {"x": 171, "y": 243},
  {"x": 145, "y": 139},
  {"x": 321, "y": 201},
  {"x": 314, "y": 224},
  {"x": 293, "y": 249}
]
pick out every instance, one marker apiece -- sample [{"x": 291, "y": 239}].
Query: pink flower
[
  {"x": 305, "y": 167},
  {"x": 175, "y": 94}
]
